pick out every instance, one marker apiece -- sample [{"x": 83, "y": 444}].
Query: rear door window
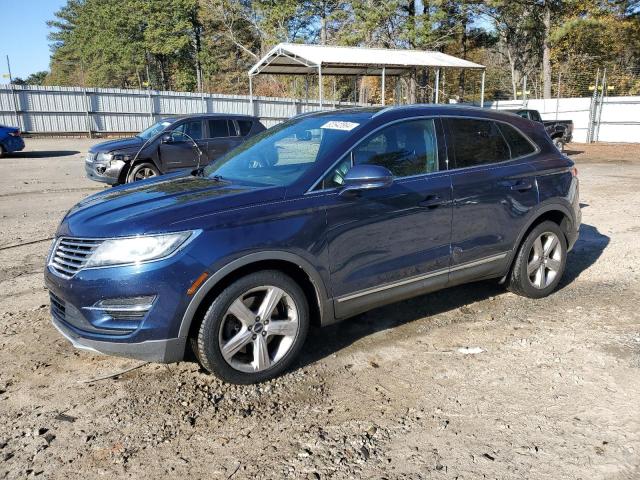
[
  {"x": 518, "y": 144},
  {"x": 477, "y": 142},
  {"x": 218, "y": 128}
]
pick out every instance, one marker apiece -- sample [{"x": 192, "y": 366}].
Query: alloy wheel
[
  {"x": 144, "y": 173},
  {"x": 258, "y": 329},
  {"x": 545, "y": 260}
]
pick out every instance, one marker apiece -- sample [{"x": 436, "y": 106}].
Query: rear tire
[
  {"x": 254, "y": 329},
  {"x": 142, "y": 171},
  {"x": 3, "y": 152},
  {"x": 540, "y": 262},
  {"x": 559, "y": 143}
]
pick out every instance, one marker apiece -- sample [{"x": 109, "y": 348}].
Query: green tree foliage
[{"x": 210, "y": 44}]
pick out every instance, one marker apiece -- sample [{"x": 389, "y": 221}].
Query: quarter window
[
  {"x": 518, "y": 145},
  {"x": 405, "y": 149},
  {"x": 477, "y": 142}
]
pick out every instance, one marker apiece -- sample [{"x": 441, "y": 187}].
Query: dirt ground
[{"x": 554, "y": 393}]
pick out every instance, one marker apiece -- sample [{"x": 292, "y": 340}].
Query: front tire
[
  {"x": 540, "y": 262},
  {"x": 142, "y": 171},
  {"x": 254, "y": 329},
  {"x": 3, "y": 152}
]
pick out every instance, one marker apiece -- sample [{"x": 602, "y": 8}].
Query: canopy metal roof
[{"x": 292, "y": 59}]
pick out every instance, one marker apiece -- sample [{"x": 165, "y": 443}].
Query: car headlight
[
  {"x": 104, "y": 157},
  {"x": 135, "y": 250}
]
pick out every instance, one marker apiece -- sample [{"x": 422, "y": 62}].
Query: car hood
[
  {"x": 171, "y": 203},
  {"x": 120, "y": 144}
]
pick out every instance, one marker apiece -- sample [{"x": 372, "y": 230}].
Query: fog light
[{"x": 130, "y": 308}]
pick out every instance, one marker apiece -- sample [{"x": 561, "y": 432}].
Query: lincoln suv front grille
[{"x": 71, "y": 254}]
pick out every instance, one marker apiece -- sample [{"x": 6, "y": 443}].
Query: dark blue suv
[{"x": 312, "y": 221}]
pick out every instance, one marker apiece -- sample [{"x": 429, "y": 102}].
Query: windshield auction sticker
[{"x": 336, "y": 125}]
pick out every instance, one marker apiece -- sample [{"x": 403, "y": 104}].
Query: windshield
[
  {"x": 281, "y": 154},
  {"x": 154, "y": 129}
]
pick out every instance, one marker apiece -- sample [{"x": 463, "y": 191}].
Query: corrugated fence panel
[{"x": 110, "y": 110}]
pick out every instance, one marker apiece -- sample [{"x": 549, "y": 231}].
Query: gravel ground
[{"x": 554, "y": 392}]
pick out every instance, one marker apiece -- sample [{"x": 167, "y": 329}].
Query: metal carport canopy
[
  {"x": 292, "y": 58},
  {"x": 299, "y": 59}
]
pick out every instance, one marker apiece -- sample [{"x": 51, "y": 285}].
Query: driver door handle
[{"x": 432, "y": 201}]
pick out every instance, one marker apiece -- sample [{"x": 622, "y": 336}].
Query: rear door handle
[
  {"x": 432, "y": 201},
  {"x": 520, "y": 185}
]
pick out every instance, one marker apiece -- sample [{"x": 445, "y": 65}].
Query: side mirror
[
  {"x": 166, "y": 138},
  {"x": 366, "y": 177}
]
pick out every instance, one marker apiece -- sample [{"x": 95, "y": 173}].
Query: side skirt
[{"x": 368, "y": 299}]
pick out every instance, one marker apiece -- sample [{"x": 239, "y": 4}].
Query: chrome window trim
[
  {"x": 417, "y": 278},
  {"x": 371, "y": 133}
]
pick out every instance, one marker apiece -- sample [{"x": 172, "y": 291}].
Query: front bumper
[
  {"x": 108, "y": 173},
  {"x": 13, "y": 144},
  {"x": 162, "y": 351},
  {"x": 78, "y": 311}
]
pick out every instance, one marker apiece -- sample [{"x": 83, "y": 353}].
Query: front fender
[{"x": 326, "y": 306}]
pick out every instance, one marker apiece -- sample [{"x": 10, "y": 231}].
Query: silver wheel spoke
[
  {"x": 537, "y": 248},
  {"x": 261, "y": 358},
  {"x": 233, "y": 346},
  {"x": 550, "y": 244},
  {"x": 532, "y": 266},
  {"x": 242, "y": 313},
  {"x": 268, "y": 305},
  {"x": 286, "y": 328},
  {"x": 553, "y": 264},
  {"x": 540, "y": 276}
]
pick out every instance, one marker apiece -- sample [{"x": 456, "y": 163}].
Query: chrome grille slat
[
  {"x": 72, "y": 249},
  {"x": 68, "y": 263},
  {"x": 71, "y": 254}
]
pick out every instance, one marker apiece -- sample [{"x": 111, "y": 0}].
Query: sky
[{"x": 23, "y": 35}]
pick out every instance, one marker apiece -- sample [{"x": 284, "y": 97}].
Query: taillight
[
  {"x": 574, "y": 171},
  {"x": 15, "y": 134}
]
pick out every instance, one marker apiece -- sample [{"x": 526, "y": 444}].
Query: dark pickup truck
[{"x": 560, "y": 131}]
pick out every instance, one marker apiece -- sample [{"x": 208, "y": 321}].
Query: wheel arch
[
  {"x": 557, "y": 213},
  {"x": 320, "y": 306},
  {"x": 130, "y": 165}
]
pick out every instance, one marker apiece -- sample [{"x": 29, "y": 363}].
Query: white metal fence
[
  {"x": 88, "y": 111},
  {"x": 608, "y": 119},
  {"x": 76, "y": 110}
]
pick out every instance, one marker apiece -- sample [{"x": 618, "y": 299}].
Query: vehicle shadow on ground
[
  {"x": 570, "y": 152},
  {"x": 587, "y": 250},
  {"x": 43, "y": 154},
  {"x": 323, "y": 342}
]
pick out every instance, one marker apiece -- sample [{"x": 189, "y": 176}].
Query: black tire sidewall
[
  {"x": 139, "y": 166},
  {"x": 520, "y": 279},
  {"x": 559, "y": 143},
  {"x": 208, "y": 349}
]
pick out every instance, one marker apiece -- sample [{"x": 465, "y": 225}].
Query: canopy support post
[
  {"x": 437, "y": 95},
  {"x": 320, "y": 83},
  {"x": 251, "y": 94},
  {"x": 383, "y": 85},
  {"x": 482, "y": 90}
]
